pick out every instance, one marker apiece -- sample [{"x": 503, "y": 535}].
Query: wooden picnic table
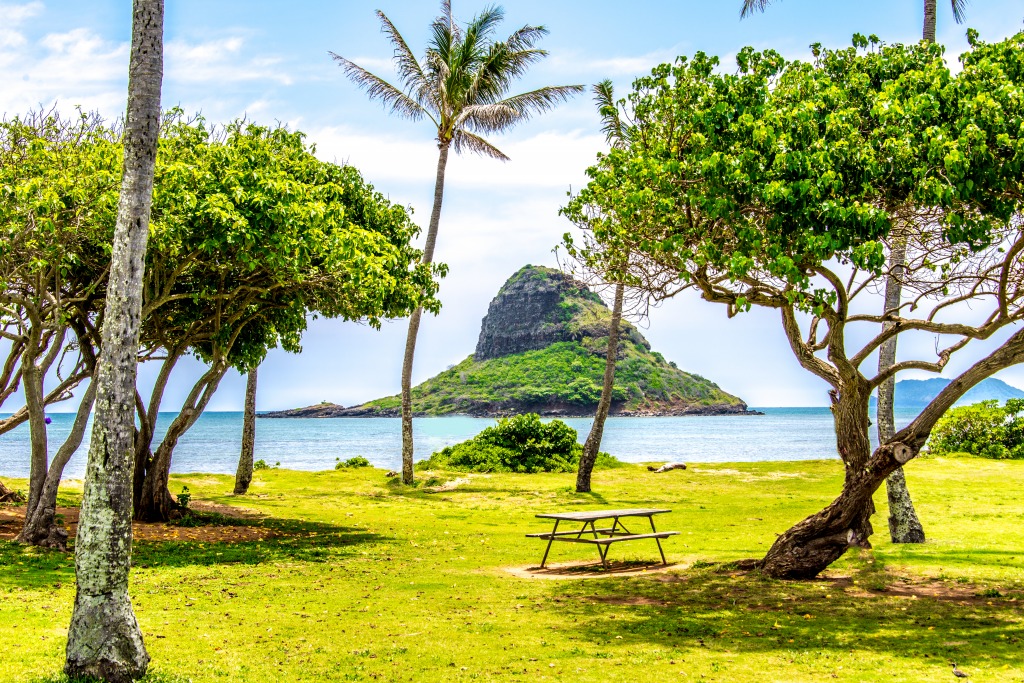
[{"x": 601, "y": 537}]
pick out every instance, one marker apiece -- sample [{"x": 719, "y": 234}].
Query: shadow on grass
[
  {"x": 148, "y": 678},
  {"x": 746, "y": 612},
  {"x": 287, "y": 540}
]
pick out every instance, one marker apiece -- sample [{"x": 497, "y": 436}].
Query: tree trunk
[
  {"x": 155, "y": 503},
  {"x": 818, "y": 541},
  {"x": 40, "y": 526},
  {"x": 414, "y": 321},
  {"x": 32, "y": 381},
  {"x": 593, "y": 442},
  {"x": 104, "y": 639},
  {"x": 928, "y": 33},
  {"x": 904, "y": 525},
  {"x": 243, "y": 476}
]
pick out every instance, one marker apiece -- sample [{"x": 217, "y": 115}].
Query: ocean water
[{"x": 212, "y": 445}]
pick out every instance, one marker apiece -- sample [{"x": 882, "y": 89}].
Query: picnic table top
[{"x": 592, "y": 515}]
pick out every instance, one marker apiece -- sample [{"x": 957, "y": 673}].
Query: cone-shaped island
[{"x": 541, "y": 350}]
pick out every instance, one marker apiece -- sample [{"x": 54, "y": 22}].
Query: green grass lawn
[{"x": 365, "y": 580}]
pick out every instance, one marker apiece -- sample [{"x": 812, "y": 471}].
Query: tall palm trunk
[
  {"x": 104, "y": 639},
  {"x": 904, "y": 524},
  {"x": 593, "y": 444},
  {"x": 414, "y": 321},
  {"x": 243, "y": 476},
  {"x": 929, "y": 21}
]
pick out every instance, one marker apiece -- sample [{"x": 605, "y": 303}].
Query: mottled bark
[
  {"x": 904, "y": 525},
  {"x": 593, "y": 443},
  {"x": 414, "y": 320},
  {"x": 243, "y": 475},
  {"x": 104, "y": 639},
  {"x": 929, "y": 21},
  {"x": 40, "y": 526}
]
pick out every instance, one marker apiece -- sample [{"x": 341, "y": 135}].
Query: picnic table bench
[{"x": 606, "y": 535}]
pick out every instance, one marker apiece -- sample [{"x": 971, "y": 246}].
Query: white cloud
[
  {"x": 221, "y": 61},
  {"x": 549, "y": 159}
]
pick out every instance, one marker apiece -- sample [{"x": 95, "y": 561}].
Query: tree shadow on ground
[
  {"x": 285, "y": 540},
  {"x": 924, "y": 620}
]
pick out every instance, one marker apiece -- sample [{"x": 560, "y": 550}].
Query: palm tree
[
  {"x": 904, "y": 524},
  {"x": 460, "y": 86},
  {"x": 243, "y": 475},
  {"x": 104, "y": 639},
  {"x": 615, "y": 134},
  {"x": 928, "y": 33}
]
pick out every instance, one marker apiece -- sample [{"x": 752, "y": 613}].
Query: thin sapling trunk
[{"x": 593, "y": 443}]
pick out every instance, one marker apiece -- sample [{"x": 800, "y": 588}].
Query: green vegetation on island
[{"x": 542, "y": 349}]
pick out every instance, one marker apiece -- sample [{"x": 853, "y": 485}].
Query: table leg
[
  {"x": 657, "y": 540},
  {"x": 604, "y": 555},
  {"x": 550, "y": 541}
]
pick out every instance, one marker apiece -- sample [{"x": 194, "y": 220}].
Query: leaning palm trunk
[
  {"x": 414, "y": 321},
  {"x": 104, "y": 639},
  {"x": 593, "y": 444},
  {"x": 243, "y": 475},
  {"x": 904, "y": 525}
]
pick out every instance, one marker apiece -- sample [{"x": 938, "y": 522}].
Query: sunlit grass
[{"x": 367, "y": 580}]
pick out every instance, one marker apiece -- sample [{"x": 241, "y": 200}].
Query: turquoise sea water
[{"x": 212, "y": 445}]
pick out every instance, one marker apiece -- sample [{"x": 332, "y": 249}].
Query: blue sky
[{"x": 268, "y": 61}]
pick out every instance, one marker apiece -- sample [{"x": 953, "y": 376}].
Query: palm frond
[
  {"x": 487, "y": 118},
  {"x": 408, "y": 67},
  {"x": 463, "y": 140},
  {"x": 526, "y": 37},
  {"x": 540, "y": 100},
  {"x": 378, "y": 89},
  {"x": 959, "y": 10},
  {"x": 611, "y": 122},
  {"x": 498, "y": 70},
  {"x": 751, "y": 6}
]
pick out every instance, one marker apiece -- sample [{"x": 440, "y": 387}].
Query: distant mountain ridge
[{"x": 917, "y": 393}]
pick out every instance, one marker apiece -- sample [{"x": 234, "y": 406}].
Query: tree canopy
[{"x": 781, "y": 185}]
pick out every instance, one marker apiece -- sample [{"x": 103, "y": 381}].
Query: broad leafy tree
[
  {"x": 59, "y": 179},
  {"x": 104, "y": 638},
  {"x": 253, "y": 235},
  {"x": 778, "y": 187},
  {"x": 461, "y": 86},
  {"x": 904, "y": 524}
]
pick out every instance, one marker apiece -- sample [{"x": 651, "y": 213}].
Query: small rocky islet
[{"x": 542, "y": 349}]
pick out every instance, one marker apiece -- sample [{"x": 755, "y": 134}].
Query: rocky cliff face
[{"x": 531, "y": 312}]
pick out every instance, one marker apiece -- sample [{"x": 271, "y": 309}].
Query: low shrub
[
  {"x": 351, "y": 463},
  {"x": 260, "y": 464},
  {"x": 516, "y": 444},
  {"x": 983, "y": 429}
]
